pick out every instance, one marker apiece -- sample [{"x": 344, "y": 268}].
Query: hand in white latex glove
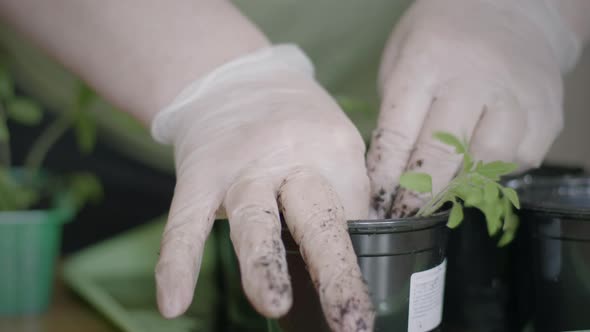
[
  {"x": 487, "y": 71},
  {"x": 252, "y": 136}
]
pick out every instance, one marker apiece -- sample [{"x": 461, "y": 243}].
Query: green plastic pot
[{"x": 29, "y": 244}]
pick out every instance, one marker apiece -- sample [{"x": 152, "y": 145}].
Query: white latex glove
[
  {"x": 488, "y": 71},
  {"x": 257, "y": 136}
]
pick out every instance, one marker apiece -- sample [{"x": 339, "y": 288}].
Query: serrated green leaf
[
  {"x": 496, "y": 169},
  {"x": 467, "y": 162},
  {"x": 6, "y": 84},
  {"x": 506, "y": 238},
  {"x": 472, "y": 196},
  {"x": 493, "y": 225},
  {"x": 512, "y": 196},
  {"x": 4, "y": 133},
  {"x": 418, "y": 182},
  {"x": 24, "y": 111},
  {"x": 456, "y": 215},
  {"x": 450, "y": 139},
  {"x": 475, "y": 186},
  {"x": 493, "y": 214},
  {"x": 511, "y": 221},
  {"x": 490, "y": 192}
]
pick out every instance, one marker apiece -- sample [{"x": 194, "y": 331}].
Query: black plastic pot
[
  {"x": 556, "y": 211},
  {"x": 490, "y": 289},
  {"x": 477, "y": 293},
  {"x": 403, "y": 262}
]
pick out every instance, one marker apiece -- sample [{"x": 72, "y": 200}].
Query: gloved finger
[
  {"x": 404, "y": 108},
  {"x": 543, "y": 127},
  {"x": 316, "y": 220},
  {"x": 456, "y": 112},
  {"x": 191, "y": 217},
  {"x": 255, "y": 232},
  {"x": 499, "y": 132}
]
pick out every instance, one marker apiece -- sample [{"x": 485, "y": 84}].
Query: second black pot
[{"x": 556, "y": 211}]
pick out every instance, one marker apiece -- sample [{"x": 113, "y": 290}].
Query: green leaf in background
[
  {"x": 418, "y": 182},
  {"x": 451, "y": 140},
  {"x": 84, "y": 123},
  {"x": 85, "y": 97},
  {"x": 4, "y": 133},
  {"x": 24, "y": 111},
  {"x": 456, "y": 215},
  {"x": 85, "y": 129},
  {"x": 13, "y": 194},
  {"x": 85, "y": 187},
  {"x": 6, "y": 84},
  {"x": 496, "y": 169}
]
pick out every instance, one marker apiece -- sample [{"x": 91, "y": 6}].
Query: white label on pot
[{"x": 426, "y": 298}]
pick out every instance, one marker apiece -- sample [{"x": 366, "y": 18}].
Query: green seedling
[
  {"x": 25, "y": 189},
  {"x": 477, "y": 186}
]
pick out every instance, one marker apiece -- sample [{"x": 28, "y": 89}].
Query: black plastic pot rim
[
  {"x": 529, "y": 182},
  {"x": 397, "y": 225}
]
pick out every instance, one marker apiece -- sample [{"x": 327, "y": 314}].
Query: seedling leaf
[
  {"x": 490, "y": 193},
  {"x": 467, "y": 163},
  {"x": 418, "y": 182},
  {"x": 475, "y": 186},
  {"x": 512, "y": 196},
  {"x": 495, "y": 169},
  {"x": 470, "y": 195},
  {"x": 506, "y": 238},
  {"x": 451, "y": 140},
  {"x": 510, "y": 227},
  {"x": 456, "y": 215}
]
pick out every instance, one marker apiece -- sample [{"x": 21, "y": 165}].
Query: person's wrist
[{"x": 274, "y": 63}]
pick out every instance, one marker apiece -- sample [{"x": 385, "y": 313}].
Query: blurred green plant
[{"x": 25, "y": 186}]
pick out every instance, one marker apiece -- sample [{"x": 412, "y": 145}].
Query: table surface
[{"x": 67, "y": 313}]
